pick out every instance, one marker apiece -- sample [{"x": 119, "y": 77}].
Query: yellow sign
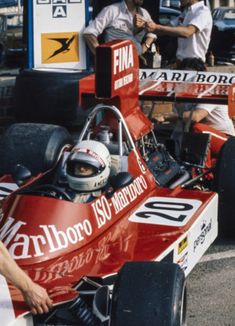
[
  {"x": 59, "y": 47},
  {"x": 182, "y": 245}
]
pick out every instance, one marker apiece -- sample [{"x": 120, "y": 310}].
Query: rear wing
[
  {"x": 178, "y": 86},
  {"x": 188, "y": 86}
]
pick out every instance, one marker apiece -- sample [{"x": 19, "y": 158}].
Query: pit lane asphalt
[
  {"x": 211, "y": 284},
  {"x": 211, "y": 287}
]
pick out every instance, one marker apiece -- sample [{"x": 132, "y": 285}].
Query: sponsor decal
[
  {"x": 166, "y": 211},
  {"x": 190, "y": 76},
  {"x": 89, "y": 152},
  {"x": 94, "y": 256},
  {"x": 202, "y": 233},
  {"x": 58, "y": 7},
  {"x": 141, "y": 165},
  {"x": 59, "y": 47},
  {"x": 120, "y": 200},
  {"x": 123, "y": 81},
  {"x": 183, "y": 261},
  {"x": 23, "y": 246},
  {"x": 205, "y": 229},
  {"x": 49, "y": 236},
  {"x": 182, "y": 245},
  {"x": 123, "y": 59}
]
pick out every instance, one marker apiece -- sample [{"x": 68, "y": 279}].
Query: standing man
[
  {"x": 193, "y": 29},
  {"x": 124, "y": 20}
]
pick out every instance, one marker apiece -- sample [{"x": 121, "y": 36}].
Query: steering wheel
[{"x": 48, "y": 190}]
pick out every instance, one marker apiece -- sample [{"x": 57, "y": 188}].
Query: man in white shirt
[
  {"x": 120, "y": 21},
  {"x": 213, "y": 115},
  {"x": 193, "y": 29}
]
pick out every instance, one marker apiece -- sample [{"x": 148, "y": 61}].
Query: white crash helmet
[{"x": 92, "y": 154}]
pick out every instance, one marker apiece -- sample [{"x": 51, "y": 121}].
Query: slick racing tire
[
  {"x": 2, "y": 54},
  {"x": 48, "y": 97},
  {"x": 149, "y": 293},
  {"x": 225, "y": 186},
  {"x": 36, "y": 146}
]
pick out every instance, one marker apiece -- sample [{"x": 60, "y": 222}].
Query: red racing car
[{"x": 121, "y": 258}]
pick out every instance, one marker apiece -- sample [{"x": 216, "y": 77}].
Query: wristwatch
[{"x": 147, "y": 45}]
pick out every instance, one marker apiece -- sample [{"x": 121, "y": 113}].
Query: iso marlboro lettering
[
  {"x": 51, "y": 237},
  {"x": 122, "y": 198},
  {"x": 102, "y": 211},
  {"x": 58, "y": 239},
  {"x": 119, "y": 200}
]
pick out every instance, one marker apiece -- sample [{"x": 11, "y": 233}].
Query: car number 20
[{"x": 166, "y": 211}]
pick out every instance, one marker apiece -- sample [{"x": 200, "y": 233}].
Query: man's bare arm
[
  {"x": 91, "y": 41},
  {"x": 34, "y": 295},
  {"x": 197, "y": 115},
  {"x": 177, "y": 31}
]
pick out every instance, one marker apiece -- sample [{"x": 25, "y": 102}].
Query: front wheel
[{"x": 149, "y": 293}]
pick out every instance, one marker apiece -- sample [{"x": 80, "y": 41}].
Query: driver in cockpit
[{"x": 88, "y": 168}]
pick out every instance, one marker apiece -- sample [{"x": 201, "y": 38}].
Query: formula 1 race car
[{"x": 121, "y": 258}]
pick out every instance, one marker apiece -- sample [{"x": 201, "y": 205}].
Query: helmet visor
[
  {"x": 82, "y": 164},
  {"x": 81, "y": 169}
]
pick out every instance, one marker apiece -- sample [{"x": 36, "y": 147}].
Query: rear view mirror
[
  {"x": 121, "y": 180},
  {"x": 21, "y": 174}
]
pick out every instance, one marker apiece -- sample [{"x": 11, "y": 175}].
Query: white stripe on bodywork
[
  {"x": 7, "y": 314},
  {"x": 6, "y": 308},
  {"x": 214, "y": 135},
  {"x": 8, "y": 185}
]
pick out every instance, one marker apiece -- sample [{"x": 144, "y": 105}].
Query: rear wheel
[
  {"x": 2, "y": 54},
  {"x": 36, "y": 146},
  {"x": 149, "y": 293},
  {"x": 225, "y": 186}
]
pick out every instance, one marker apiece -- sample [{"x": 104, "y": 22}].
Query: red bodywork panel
[{"x": 116, "y": 82}]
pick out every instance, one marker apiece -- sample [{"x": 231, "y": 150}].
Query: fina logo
[
  {"x": 123, "y": 58},
  {"x": 59, "y": 7}
]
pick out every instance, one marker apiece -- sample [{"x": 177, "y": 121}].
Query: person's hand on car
[{"x": 37, "y": 298}]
